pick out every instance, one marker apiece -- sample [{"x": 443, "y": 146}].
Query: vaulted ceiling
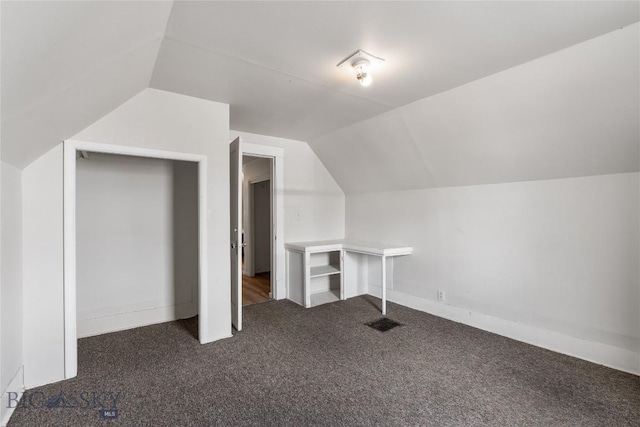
[
  {"x": 471, "y": 92},
  {"x": 66, "y": 64},
  {"x": 573, "y": 113}
]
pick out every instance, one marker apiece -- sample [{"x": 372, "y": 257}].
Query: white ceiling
[
  {"x": 275, "y": 62},
  {"x": 573, "y": 113},
  {"x": 66, "y": 64}
]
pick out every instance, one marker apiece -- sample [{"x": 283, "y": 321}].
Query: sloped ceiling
[
  {"x": 573, "y": 113},
  {"x": 275, "y": 62},
  {"x": 66, "y": 64}
]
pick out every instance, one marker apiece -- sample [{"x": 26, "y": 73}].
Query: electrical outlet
[{"x": 440, "y": 295}]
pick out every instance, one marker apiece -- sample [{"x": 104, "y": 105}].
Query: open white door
[{"x": 235, "y": 169}]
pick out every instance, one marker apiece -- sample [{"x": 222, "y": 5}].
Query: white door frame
[
  {"x": 71, "y": 147},
  {"x": 276, "y": 154}
]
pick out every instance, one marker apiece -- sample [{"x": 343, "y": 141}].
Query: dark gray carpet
[{"x": 323, "y": 366}]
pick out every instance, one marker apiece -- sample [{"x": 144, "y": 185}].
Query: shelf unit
[
  {"x": 324, "y": 282},
  {"x": 324, "y": 270},
  {"x": 324, "y": 298},
  {"x": 315, "y": 276}
]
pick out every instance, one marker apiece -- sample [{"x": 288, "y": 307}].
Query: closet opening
[{"x": 134, "y": 233}]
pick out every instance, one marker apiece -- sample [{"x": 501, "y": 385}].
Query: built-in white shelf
[
  {"x": 324, "y": 270},
  {"x": 316, "y": 270},
  {"x": 325, "y": 297},
  {"x": 318, "y": 276}
]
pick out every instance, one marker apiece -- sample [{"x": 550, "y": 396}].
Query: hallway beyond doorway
[{"x": 256, "y": 289}]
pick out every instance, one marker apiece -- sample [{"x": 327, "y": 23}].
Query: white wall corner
[
  {"x": 43, "y": 299},
  {"x": 591, "y": 351}
]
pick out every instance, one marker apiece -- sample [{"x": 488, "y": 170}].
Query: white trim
[
  {"x": 69, "y": 250},
  {"x": 602, "y": 354},
  {"x": 16, "y": 385},
  {"x": 70, "y": 309},
  {"x": 203, "y": 297},
  {"x": 125, "y": 150},
  {"x": 279, "y": 277},
  {"x": 278, "y": 282},
  {"x": 134, "y": 319},
  {"x": 259, "y": 150}
]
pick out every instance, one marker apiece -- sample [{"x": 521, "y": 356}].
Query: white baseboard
[
  {"x": 15, "y": 386},
  {"x": 135, "y": 319},
  {"x": 602, "y": 354}
]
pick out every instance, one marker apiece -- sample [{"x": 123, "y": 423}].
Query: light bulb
[
  {"x": 365, "y": 79},
  {"x": 363, "y": 75},
  {"x": 361, "y": 65}
]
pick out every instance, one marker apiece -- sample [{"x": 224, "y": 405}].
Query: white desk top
[{"x": 369, "y": 248}]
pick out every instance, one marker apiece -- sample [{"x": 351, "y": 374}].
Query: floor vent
[{"x": 383, "y": 325}]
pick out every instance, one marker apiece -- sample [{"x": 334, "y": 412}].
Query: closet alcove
[{"x": 136, "y": 241}]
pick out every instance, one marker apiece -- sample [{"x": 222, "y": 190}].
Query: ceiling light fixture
[
  {"x": 362, "y": 62},
  {"x": 362, "y": 72}
]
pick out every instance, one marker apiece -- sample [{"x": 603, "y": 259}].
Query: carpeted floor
[{"x": 322, "y": 366}]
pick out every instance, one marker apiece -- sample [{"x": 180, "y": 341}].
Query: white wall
[
  {"x": 185, "y": 232},
  {"x": 168, "y": 121},
  {"x": 43, "y": 269},
  {"x": 261, "y": 214},
  {"x": 552, "y": 262},
  {"x": 152, "y": 119},
  {"x": 313, "y": 202},
  {"x": 11, "y": 355},
  {"x": 132, "y": 231}
]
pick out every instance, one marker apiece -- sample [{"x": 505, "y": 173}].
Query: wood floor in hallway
[{"x": 256, "y": 289}]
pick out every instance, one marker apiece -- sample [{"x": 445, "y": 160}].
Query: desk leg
[{"x": 384, "y": 285}]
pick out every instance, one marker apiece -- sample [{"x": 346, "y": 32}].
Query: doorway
[
  {"x": 275, "y": 156},
  {"x": 257, "y": 206}
]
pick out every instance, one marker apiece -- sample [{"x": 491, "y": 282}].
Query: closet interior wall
[{"x": 137, "y": 242}]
